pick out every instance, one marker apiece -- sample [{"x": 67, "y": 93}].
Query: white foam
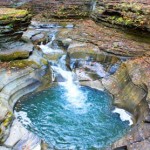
[
  {"x": 94, "y": 6},
  {"x": 73, "y": 93},
  {"x": 124, "y": 115},
  {"x": 23, "y": 118},
  {"x": 47, "y": 50}
]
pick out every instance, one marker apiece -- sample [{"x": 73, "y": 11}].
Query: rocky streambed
[{"x": 101, "y": 57}]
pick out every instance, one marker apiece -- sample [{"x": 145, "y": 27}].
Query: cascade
[
  {"x": 70, "y": 116},
  {"x": 73, "y": 94},
  {"x": 94, "y": 5}
]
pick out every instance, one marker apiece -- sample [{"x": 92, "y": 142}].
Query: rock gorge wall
[
  {"x": 58, "y": 9},
  {"x": 130, "y": 84},
  {"x": 19, "y": 78},
  {"x": 124, "y": 13},
  {"x": 12, "y": 25},
  {"x": 22, "y": 71}
]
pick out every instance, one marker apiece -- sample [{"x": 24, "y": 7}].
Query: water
[
  {"x": 94, "y": 5},
  {"x": 51, "y": 47},
  {"x": 67, "y": 124},
  {"x": 69, "y": 116}
]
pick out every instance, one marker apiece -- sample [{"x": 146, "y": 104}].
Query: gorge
[{"x": 71, "y": 47}]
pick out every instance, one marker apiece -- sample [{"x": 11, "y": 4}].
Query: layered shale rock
[
  {"x": 129, "y": 13},
  {"x": 19, "y": 78},
  {"x": 104, "y": 39},
  {"x": 130, "y": 86},
  {"x": 58, "y": 9},
  {"x": 63, "y": 9},
  {"x": 12, "y": 25}
]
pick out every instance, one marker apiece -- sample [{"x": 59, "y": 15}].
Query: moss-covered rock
[
  {"x": 59, "y": 9},
  {"x": 13, "y": 56},
  {"x": 15, "y": 50},
  {"x": 133, "y": 14},
  {"x": 12, "y": 24},
  {"x": 10, "y": 14}
]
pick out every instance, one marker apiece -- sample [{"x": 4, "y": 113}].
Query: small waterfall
[
  {"x": 94, "y": 5},
  {"x": 49, "y": 47},
  {"x": 73, "y": 93}
]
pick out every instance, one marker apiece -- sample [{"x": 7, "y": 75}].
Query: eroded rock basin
[
  {"x": 84, "y": 120},
  {"x": 99, "y": 60}
]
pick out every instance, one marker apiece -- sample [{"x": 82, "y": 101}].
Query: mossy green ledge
[{"x": 12, "y": 23}]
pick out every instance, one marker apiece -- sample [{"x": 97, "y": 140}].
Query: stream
[{"x": 71, "y": 116}]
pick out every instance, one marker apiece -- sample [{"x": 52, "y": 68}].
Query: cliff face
[
  {"x": 130, "y": 86},
  {"x": 125, "y": 13},
  {"x": 12, "y": 25},
  {"x": 129, "y": 13},
  {"x": 63, "y": 9},
  {"x": 58, "y": 9},
  {"x": 20, "y": 74}
]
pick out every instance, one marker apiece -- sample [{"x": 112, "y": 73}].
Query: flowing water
[
  {"x": 94, "y": 5},
  {"x": 69, "y": 116},
  {"x": 81, "y": 120}
]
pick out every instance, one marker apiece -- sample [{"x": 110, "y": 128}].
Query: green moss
[
  {"x": 8, "y": 119},
  {"x": 120, "y": 20},
  {"x": 44, "y": 61},
  {"x": 21, "y": 64},
  {"x": 6, "y": 13},
  {"x": 135, "y": 7},
  {"x": 13, "y": 56},
  {"x": 11, "y": 25},
  {"x": 131, "y": 14}
]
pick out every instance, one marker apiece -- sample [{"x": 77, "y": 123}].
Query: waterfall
[
  {"x": 49, "y": 48},
  {"x": 94, "y": 5},
  {"x": 73, "y": 93}
]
